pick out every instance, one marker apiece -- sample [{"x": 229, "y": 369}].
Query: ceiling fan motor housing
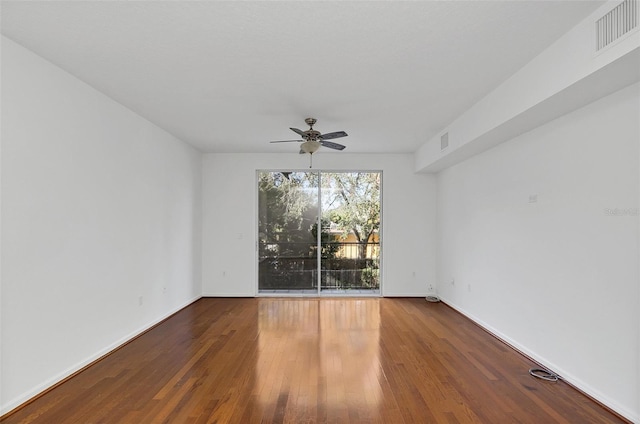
[{"x": 312, "y": 135}]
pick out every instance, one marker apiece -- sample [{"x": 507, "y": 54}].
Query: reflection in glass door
[{"x": 343, "y": 257}]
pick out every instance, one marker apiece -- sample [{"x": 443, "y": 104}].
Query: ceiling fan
[{"x": 312, "y": 140}]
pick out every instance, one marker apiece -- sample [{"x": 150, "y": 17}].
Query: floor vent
[
  {"x": 444, "y": 141},
  {"x": 618, "y": 22}
]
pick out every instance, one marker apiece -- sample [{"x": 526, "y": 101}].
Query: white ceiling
[{"x": 230, "y": 76}]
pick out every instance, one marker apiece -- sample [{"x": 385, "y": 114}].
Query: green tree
[
  {"x": 329, "y": 248},
  {"x": 354, "y": 205},
  {"x": 287, "y": 211}
]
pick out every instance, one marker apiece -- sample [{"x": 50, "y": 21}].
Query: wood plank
[{"x": 313, "y": 361}]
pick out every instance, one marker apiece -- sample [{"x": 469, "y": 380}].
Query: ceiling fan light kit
[
  {"x": 312, "y": 140},
  {"x": 310, "y": 146}
]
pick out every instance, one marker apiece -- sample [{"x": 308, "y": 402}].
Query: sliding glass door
[
  {"x": 350, "y": 252},
  {"x": 287, "y": 246},
  {"x": 319, "y": 232}
]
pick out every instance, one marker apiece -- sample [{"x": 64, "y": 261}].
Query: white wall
[
  {"x": 557, "y": 278},
  {"x": 229, "y": 219},
  {"x": 566, "y": 75},
  {"x": 99, "y": 209}
]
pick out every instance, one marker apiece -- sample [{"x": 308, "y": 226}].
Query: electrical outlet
[
  {"x": 453, "y": 282},
  {"x": 140, "y": 300},
  {"x": 469, "y": 287}
]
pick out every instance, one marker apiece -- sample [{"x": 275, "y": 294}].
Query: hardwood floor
[{"x": 301, "y": 360}]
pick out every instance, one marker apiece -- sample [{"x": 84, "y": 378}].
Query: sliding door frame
[{"x": 319, "y": 293}]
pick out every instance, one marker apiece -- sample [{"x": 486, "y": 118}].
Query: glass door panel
[
  {"x": 287, "y": 232},
  {"x": 350, "y": 240}
]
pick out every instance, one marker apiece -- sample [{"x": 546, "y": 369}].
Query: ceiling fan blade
[
  {"x": 286, "y": 141},
  {"x": 332, "y": 145},
  {"x": 330, "y": 136},
  {"x": 297, "y": 131}
]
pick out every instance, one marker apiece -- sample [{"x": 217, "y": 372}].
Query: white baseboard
[
  {"x": 566, "y": 376},
  {"x": 30, "y": 394}
]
